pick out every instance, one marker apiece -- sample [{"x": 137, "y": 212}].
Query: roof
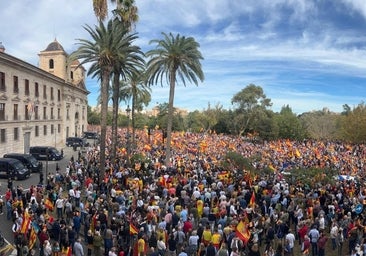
[{"x": 54, "y": 46}]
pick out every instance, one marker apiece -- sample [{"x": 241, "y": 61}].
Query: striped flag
[
  {"x": 133, "y": 229},
  {"x": 48, "y": 204},
  {"x": 252, "y": 199},
  {"x": 25, "y": 223},
  {"x": 242, "y": 232},
  {"x": 32, "y": 238}
]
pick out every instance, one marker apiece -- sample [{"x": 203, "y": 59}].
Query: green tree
[
  {"x": 103, "y": 52},
  {"x": 249, "y": 103},
  {"x": 321, "y": 124},
  {"x": 353, "y": 125},
  {"x": 174, "y": 57},
  {"x": 289, "y": 124},
  {"x": 130, "y": 64},
  {"x": 140, "y": 93}
]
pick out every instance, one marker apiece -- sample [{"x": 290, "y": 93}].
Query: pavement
[{"x": 49, "y": 167}]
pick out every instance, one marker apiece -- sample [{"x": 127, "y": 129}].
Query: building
[{"x": 41, "y": 105}]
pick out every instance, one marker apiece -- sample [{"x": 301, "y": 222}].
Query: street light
[{"x": 128, "y": 110}]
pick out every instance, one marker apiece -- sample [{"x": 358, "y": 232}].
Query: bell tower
[{"x": 54, "y": 60}]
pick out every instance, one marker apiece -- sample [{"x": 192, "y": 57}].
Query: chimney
[{"x": 2, "y": 48}]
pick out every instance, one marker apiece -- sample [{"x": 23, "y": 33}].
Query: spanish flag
[
  {"x": 68, "y": 251},
  {"x": 48, "y": 204},
  {"x": 242, "y": 232},
  {"x": 133, "y": 229},
  {"x": 252, "y": 199}
]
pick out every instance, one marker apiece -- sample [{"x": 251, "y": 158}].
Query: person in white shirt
[
  {"x": 290, "y": 241},
  {"x": 161, "y": 246}
]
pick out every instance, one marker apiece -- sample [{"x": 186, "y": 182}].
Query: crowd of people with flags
[{"x": 194, "y": 206}]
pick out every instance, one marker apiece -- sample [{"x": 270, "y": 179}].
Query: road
[{"x": 50, "y": 166}]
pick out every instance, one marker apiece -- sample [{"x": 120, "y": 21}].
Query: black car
[
  {"x": 76, "y": 142},
  {"x": 91, "y": 135},
  {"x": 45, "y": 153},
  {"x": 28, "y": 160},
  {"x": 13, "y": 169}
]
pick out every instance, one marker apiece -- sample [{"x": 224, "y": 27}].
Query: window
[
  {"x": 36, "y": 131},
  {"x": 26, "y": 87},
  {"x": 44, "y": 113},
  {"x": 16, "y": 85},
  {"x": 51, "y": 64},
  {"x": 2, "y": 81},
  {"x": 58, "y": 128},
  {"x": 16, "y": 133},
  {"x": 36, "y": 116},
  {"x": 44, "y": 92},
  {"x": 58, "y": 95},
  {"x": 15, "y": 112},
  {"x": 58, "y": 113},
  {"x": 27, "y": 112},
  {"x": 67, "y": 114},
  {"x": 52, "y": 117},
  {"x": 2, "y": 111},
  {"x": 3, "y": 135},
  {"x": 52, "y": 93},
  {"x": 36, "y": 90},
  {"x": 52, "y": 129},
  {"x": 44, "y": 130},
  {"x": 72, "y": 75}
]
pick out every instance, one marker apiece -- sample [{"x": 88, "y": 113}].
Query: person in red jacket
[{"x": 187, "y": 226}]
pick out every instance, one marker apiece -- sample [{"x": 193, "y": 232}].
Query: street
[{"x": 34, "y": 179}]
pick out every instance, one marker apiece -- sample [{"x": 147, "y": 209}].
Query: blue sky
[{"x": 308, "y": 54}]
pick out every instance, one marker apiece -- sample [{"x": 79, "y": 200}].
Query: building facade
[{"x": 41, "y": 106}]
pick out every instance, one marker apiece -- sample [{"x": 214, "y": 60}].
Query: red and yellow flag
[
  {"x": 25, "y": 223},
  {"x": 252, "y": 199},
  {"x": 133, "y": 229},
  {"x": 32, "y": 238},
  {"x": 242, "y": 232},
  {"x": 48, "y": 204}
]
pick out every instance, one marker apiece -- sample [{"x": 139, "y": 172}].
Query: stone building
[{"x": 41, "y": 105}]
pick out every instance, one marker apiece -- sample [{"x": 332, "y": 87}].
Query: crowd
[{"x": 194, "y": 206}]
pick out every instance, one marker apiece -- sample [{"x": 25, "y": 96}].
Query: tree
[
  {"x": 126, "y": 10},
  {"x": 140, "y": 93},
  {"x": 131, "y": 62},
  {"x": 249, "y": 103},
  {"x": 289, "y": 125},
  {"x": 353, "y": 125},
  {"x": 174, "y": 57},
  {"x": 320, "y": 125},
  {"x": 103, "y": 52}
]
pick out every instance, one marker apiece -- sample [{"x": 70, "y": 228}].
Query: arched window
[{"x": 51, "y": 64}]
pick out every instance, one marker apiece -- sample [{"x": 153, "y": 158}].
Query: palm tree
[
  {"x": 126, "y": 14},
  {"x": 131, "y": 62},
  {"x": 174, "y": 56},
  {"x": 109, "y": 45},
  {"x": 126, "y": 10},
  {"x": 140, "y": 93}
]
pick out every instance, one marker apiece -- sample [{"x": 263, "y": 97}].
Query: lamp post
[{"x": 128, "y": 110}]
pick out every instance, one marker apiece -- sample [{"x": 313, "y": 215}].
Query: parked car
[
  {"x": 13, "y": 168},
  {"x": 76, "y": 142},
  {"x": 28, "y": 160},
  {"x": 45, "y": 153},
  {"x": 91, "y": 135}
]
